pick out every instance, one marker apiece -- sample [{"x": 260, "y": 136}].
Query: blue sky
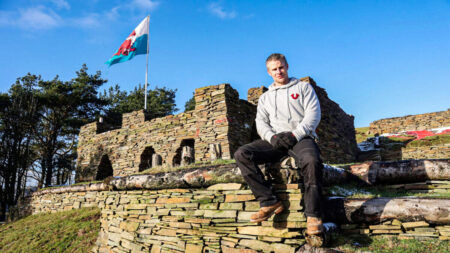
[{"x": 376, "y": 59}]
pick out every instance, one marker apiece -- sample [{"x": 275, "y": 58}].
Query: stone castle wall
[
  {"x": 411, "y": 123},
  {"x": 220, "y": 117},
  {"x": 128, "y": 148},
  {"x": 336, "y": 129}
]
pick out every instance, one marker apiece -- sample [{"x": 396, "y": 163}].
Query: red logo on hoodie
[{"x": 294, "y": 96}]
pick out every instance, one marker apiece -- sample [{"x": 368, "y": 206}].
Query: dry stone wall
[
  {"x": 198, "y": 220},
  {"x": 411, "y": 123},
  {"x": 57, "y": 202},
  {"x": 336, "y": 129},
  {"x": 213, "y": 219}
]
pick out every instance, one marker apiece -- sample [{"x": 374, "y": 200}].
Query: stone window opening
[
  {"x": 148, "y": 159},
  {"x": 104, "y": 168},
  {"x": 184, "y": 155}
]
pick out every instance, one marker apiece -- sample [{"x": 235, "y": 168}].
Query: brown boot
[
  {"x": 314, "y": 226},
  {"x": 266, "y": 212}
]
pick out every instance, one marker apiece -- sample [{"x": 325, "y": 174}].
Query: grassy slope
[
  {"x": 68, "y": 231},
  {"x": 388, "y": 244},
  {"x": 361, "y": 134}
]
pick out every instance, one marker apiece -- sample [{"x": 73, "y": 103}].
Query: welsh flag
[{"x": 135, "y": 44}]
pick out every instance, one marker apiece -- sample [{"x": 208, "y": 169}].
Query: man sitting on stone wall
[{"x": 287, "y": 117}]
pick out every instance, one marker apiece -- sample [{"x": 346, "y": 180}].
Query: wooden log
[
  {"x": 189, "y": 178},
  {"x": 376, "y": 210},
  {"x": 408, "y": 171},
  {"x": 287, "y": 172}
]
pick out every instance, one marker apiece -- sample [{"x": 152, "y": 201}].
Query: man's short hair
[{"x": 276, "y": 57}]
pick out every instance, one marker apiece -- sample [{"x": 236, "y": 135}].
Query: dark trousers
[{"x": 307, "y": 156}]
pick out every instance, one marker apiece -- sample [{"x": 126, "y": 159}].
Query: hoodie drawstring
[
  {"x": 287, "y": 101},
  {"x": 276, "y": 111}
]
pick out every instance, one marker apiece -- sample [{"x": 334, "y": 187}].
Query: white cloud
[
  {"x": 218, "y": 10},
  {"x": 113, "y": 14},
  {"x": 89, "y": 21},
  {"x": 146, "y": 4},
  {"x": 61, "y": 4},
  {"x": 37, "y": 18}
]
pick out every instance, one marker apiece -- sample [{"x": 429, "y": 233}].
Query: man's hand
[
  {"x": 276, "y": 142},
  {"x": 283, "y": 141},
  {"x": 288, "y": 140}
]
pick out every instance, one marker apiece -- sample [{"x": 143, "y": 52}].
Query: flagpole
[{"x": 146, "y": 68}]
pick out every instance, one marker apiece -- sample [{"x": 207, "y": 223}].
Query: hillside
[{"x": 67, "y": 231}]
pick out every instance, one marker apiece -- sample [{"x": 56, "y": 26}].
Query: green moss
[
  {"x": 68, "y": 231},
  {"x": 89, "y": 182},
  {"x": 202, "y": 201},
  {"x": 60, "y": 186},
  {"x": 356, "y": 191},
  {"x": 159, "y": 169}
]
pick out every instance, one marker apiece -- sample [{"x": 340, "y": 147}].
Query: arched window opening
[{"x": 104, "y": 168}]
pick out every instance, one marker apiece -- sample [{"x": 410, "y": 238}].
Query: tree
[
  {"x": 190, "y": 104},
  {"x": 63, "y": 108},
  {"x": 160, "y": 102},
  {"x": 18, "y": 118}
]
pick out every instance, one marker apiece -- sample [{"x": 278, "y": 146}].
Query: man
[{"x": 287, "y": 117}]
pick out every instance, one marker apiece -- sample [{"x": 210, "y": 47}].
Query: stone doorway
[
  {"x": 104, "y": 168},
  {"x": 147, "y": 158}
]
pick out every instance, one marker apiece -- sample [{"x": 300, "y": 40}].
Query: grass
[
  {"x": 89, "y": 182},
  {"x": 435, "y": 140},
  {"x": 68, "y": 231},
  {"x": 355, "y": 191},
  {"x": 159, "y": 169},
  {"x": 397, "y": 139},
  {"x": 362, "y": 134},
  {"x": 391, "y": 244},
  {"x": 60, "y": 186}
]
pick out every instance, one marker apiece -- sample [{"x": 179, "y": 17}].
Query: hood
[{"x": 292, "y": 81}]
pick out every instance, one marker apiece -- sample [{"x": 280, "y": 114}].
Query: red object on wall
[{"x": 420, "y": 134}]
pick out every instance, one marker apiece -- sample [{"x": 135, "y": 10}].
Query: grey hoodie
[{"x": 292, "y": 107}]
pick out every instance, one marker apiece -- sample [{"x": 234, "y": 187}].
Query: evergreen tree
[
  {"x": 160, "y": 102},
  {"x": 63, "y": 108},
  {"x": 18, "y": 118},
  {"x": 190, "y": 104}
]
